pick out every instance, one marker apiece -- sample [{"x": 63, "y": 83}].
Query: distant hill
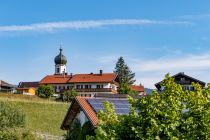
[{"x": 148, "y": 90}]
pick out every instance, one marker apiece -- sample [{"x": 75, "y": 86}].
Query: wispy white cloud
[
  {"x": 52, "y": 26},
  {"x": 150, "y": 71},
  {"x": 195, "y": 17},
  {"x": 170, "y": 64}
]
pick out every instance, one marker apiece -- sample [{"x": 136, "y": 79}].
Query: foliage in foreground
[
  {"x": 171, "y": 114},
  {"x": 12, "y": 122},
  {"x": 77, "y": 132},
  {"x": 10, "y": 117}
]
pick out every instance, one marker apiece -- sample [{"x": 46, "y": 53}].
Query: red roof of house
[
  {"x": 93, "y": 78},
  {"x": 139, "y": 88},
  {"x": 79, "y": 78},
  {"x": 82, "y": 103},
  {"x": 88, "y": 110},
  {"x": 55, "y": 79}
]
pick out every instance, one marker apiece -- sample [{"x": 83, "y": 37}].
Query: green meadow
[{"x": 42, "y": 115}]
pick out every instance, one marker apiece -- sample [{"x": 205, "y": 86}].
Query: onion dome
[{"x": 60, "y": 59}]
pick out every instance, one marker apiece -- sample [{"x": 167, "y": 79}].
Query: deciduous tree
[{"x": 171, "y": 114}]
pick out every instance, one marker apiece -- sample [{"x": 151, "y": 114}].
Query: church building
[{"x": 84, "y": 84}]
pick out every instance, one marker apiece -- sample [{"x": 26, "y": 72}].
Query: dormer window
[{"x": 182, "y": 79}]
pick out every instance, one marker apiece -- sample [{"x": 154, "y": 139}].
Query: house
[
  {"x": 184, "y": 80},
  {"x": 27, "y": 88},
  {"x": 86, "y": 108},
  {"x": 85, "y": 84},
  {"x": 6, "y": 87},
  {"x": 26, "y": 91},
  {"x": 28, "y": 84},
  {"x": 139, "y": 89}
]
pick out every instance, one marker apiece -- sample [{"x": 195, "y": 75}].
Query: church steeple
[{"x": 60, "y": 63}]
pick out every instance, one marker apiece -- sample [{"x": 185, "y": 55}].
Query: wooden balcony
[{"x": 96, "y": 90}]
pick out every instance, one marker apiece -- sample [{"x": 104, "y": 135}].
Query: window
[
  {"x": 187, "y": 87},
  {"x": 78, "y": 87},
  {"x": 99, "y": 86},
  {"x": 182, "y": 79},
  {"x": 86, "y": 86},
  {"x": 89, "y": 86},
  {"x": 58, "y": 70},
  {"x": 81, "y": 86}
]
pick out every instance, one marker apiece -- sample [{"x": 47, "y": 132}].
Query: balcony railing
[{"x": 95, "y": 90}]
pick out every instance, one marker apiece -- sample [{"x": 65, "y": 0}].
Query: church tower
[{"x": 60, "y": 63}]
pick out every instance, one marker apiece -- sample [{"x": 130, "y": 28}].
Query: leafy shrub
[
  {"x": 75, "y": 131},
  {"x": 45, "y": 91},
  {"x": 172, "y": 114},
  {"x": 12, "y": 122},
  {"x": 10, "y": 117},
  {"x": 69, "y": 95}
]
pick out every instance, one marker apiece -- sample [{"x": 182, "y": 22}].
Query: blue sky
[{"x": 154, "y": 36}]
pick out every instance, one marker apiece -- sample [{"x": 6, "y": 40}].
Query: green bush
[
  {"x": 75, "y": 131},
  {"x": 12, "y": 122},
  {"x": 69, "y": 95},
  {"x": 170, "y": 115},
  {"x": 10, "y": 117},
  {"x": 45, "y": 91}
]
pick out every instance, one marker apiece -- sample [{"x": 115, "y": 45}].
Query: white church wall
[{"x": 62, "y": 69}]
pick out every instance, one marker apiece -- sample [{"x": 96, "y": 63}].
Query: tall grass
[{"x": 42, "y": 115}]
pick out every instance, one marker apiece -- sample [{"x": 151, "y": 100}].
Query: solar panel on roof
[{"x": 121, "y": 106}]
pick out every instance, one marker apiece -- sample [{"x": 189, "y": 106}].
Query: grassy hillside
[{"x": 42, "y": 115}]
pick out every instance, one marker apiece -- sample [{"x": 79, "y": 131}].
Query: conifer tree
[{"x": 126, "y": 76}]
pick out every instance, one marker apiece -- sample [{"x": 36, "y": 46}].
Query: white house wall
[
  {"x": 82, "y": 118},
  {"x": 94, "y": 85}
]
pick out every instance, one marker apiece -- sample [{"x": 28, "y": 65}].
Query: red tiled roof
[
  {"x": 79, "y": 102},
  {"x": 92, "y": 78},
  {"x": 139, "y": 88},
  {"x": 88, "y": 110},
  {"x": 79, "y": 78},
  {"x": 55, "y": 79}
]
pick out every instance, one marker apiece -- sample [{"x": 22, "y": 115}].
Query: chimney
[
  {"x": 101, "y": 72},
  {"x": 91, "y": 73},
  {"x": 71, "y": 74}
]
